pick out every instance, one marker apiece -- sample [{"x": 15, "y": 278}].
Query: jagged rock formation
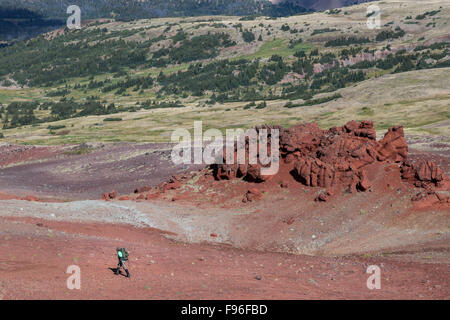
[
  {"x": 348, "y": 157},
  {"x": 338, "y": 156}
]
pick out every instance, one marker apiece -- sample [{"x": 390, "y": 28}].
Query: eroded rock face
[
  {"x": 430, "y": 198},
  {"x": 363, "y": 129},
  {"x": 393, "y": 146},
  {"x": 364, "y": 183},
  {"x": 338, "y": 156},
  {"x": 313, "y": 172},
  {"x": 427, "y": 175},
  {"x": 248, "y": 171},
  {"x": 422, "y": 173},
  {"x": 300, "y": 139},
  {"x": 323, "y": 158}
]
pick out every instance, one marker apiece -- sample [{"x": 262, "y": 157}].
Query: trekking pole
[{"x": 129, "y": 262}]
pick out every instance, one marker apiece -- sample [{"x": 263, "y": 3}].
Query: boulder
[
  {"x": 142, "y": 189},
  {"x": 393, "y": 146},
  {"x": 140, "y": 197},
  {"x": 109, "y": 196},
  {"x": 324, "y": 196},
  {"x": 302, "y": 138},
  {"x": 253, "y": 194},
  {"x": 254, "y": 174},
  {"x": 363, "y": 129},
  {"x": 284, "y": 184},
  {"x": 423, "y": 174},
  {"x": 364, "y": 183}
]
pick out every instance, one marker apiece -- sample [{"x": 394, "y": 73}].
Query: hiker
[{"x": 122, "y": 255}]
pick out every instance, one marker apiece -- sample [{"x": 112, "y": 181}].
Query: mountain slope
[
  {"x": 135, "y": 9},
  {"x": 19, "y": 24},
  {"x": 45, "y": 15},
  {"x": 319, "y": 5},
  {"x": 223, "y": 68}
]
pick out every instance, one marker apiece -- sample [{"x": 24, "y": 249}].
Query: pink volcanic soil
[
  {"x": 325, "y": 176},
  {"x": 57, "y": 172},
  {"x": 15, "y": 154},
  {"x": 36, "y": 254}
]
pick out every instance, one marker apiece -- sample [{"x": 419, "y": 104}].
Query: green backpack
[{"x": 124, "y": 254}]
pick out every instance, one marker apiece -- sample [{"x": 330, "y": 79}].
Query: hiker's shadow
[{"x": 114, "y": 270}]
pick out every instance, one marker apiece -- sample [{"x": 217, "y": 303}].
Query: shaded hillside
[
  {"x": 20, "y": 19},
  {"x": 317, "y": 67},
  {"x": 19, "y": 24},
  {"x": 319, "y": 5},
  {"x": 136, "y": 9}
]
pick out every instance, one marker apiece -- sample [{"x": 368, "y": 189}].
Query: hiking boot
[{"x": 128, "y": 274}]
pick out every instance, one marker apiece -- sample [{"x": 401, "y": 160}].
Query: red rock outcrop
[
  {"x": 173, "y": 183},
  {"x": 324, "y": 196},
  {"x": 430, "y": 198},
  {"x": 424, "y": 174},
  {"x": 300, "y": 139},
  {"x": 109, "y": 195},
  {"x": 338, "y": 156},
  {"x": 142, "y": 189},
  {"x": 427, "y": 175},
  {"x": 322, "y": 158},
  {"x": 313, "y": 172},
  {"x": 247, "y": 171},
  {"x": 349, "y": 156},
  {"x": 393, "y": 146}
]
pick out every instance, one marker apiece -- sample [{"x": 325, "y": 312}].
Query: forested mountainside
[
  {"x": 138, "y": 9},
  {"x": 21, "y": 19},
  {"x": 229, "y": 67},
  {"x": 19, "y": 24}
]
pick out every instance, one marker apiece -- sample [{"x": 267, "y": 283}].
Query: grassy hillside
[{"x": 139, "y": 80}]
